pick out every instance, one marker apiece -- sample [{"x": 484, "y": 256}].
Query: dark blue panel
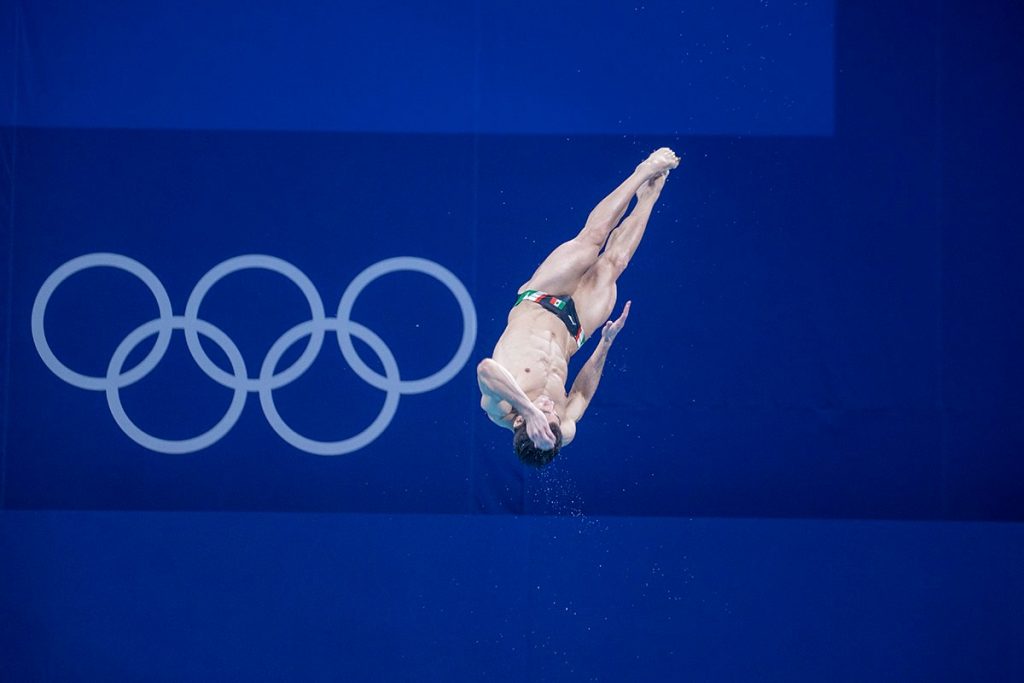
[
  {"x": 745, "y": 406},
  {"x": 377, "y": 598},
  {"x": 411, "y": 66}
]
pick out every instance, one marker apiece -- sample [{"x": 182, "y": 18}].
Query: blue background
[{"x": 826, "y": 325}]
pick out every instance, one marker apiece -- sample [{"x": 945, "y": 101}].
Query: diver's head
[{"x": 524, "y": 446}]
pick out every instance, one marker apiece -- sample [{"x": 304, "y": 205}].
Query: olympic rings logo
[{"x": 269, "y": 377}]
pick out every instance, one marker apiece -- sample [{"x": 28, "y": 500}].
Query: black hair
[{"x": 528, "y": 452}]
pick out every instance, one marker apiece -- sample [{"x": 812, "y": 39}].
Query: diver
[{"x": 572, "y": 293}]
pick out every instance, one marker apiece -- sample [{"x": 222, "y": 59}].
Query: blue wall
[{"x": 826, "y": 324}]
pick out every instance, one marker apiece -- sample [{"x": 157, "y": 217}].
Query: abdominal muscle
[{"x": 535, "y": 348}]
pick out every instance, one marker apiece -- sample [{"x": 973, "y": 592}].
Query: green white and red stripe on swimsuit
[{"x": 537, "y": 296}]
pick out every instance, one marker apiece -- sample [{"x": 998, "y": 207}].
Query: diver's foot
[{"x": 660, "y": 161}]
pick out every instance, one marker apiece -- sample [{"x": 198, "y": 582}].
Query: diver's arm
[
  {"x": 585, "y": 385},
  {"x": 498, "y": 384},
  {"x": 499, "y": 412}
]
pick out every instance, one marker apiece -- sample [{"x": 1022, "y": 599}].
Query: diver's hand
[
  {"x": 612, "y": 329},
  {"x": 539, "y": 431}
]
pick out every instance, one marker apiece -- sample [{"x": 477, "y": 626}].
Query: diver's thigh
[
  {"x": 564, "y": 268},
  {"x": 595, "y": 297}
]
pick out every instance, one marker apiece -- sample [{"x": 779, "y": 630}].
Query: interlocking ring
[{"x": 268, "y": 378}]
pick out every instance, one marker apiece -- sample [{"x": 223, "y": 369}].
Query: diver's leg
[
  {"x": 624, "y": 240},
  {"x": 563, "y": 269},
  {"x": 595, "y": 297}
]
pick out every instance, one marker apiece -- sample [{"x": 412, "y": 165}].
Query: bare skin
[{"x": 525, "y": 379}]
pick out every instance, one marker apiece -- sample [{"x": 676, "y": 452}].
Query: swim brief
[{"x": 562, "y": 306}]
